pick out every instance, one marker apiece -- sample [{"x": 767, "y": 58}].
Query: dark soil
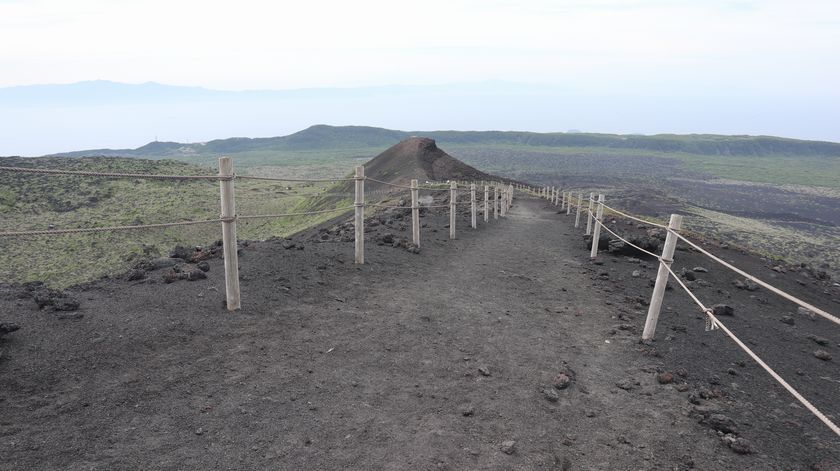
[{"x": 504, "y": 349}]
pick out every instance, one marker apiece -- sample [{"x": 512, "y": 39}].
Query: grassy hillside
[
  {"x": 38, "y": 201},
  {"x": 539, "y": 156}
]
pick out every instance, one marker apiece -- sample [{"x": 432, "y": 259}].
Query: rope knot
[{"x": 711, "y": 322}]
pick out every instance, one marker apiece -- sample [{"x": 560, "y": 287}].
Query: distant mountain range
[
  {"x": 46, "y": 119},
  {"x": 323, "y": 137}
]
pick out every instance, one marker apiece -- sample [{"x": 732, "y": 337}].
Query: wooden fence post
[
  {"x": 229, "y": 247},
  {"x": 662, "y": 277},
  {"x": 495, "y": 201},
  {"x": 577, "y": 214},
  {"x": 569, "y": 204},
  {"x": 360, "y": 214},
  {"x": 473, "y": 205},
  {"x": 503, "y": 202},
  {"x": 596, "y": 235},
  {"x": 589, "y": 213},
  {"x": 453, "y": 196},
  {"x": 415, "y": 213},
  {"x": 486, "y": 207}
]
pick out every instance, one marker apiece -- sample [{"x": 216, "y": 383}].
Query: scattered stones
[
  {"x": 818, "y": 340},
  {"x": 665, "y": 378},
  {"x": 194, "y": 274},
  {"x": 170, "y": 276},
  {"x": 689, "y": 275},
  {"x": 288, "y": 244},
  {"x": 806, "y": 312},
  {"x": 551, "y": 395},
  {"x": 467, "y": 410},
  {"x": 203, "y": 266},
  {"x": 745, "y": 284},
  {"x": 700, "y": 270},
  {"x": 721, "y": 423},
  {"x": 681, "y": 387},
  {"x": 485, "y": 371},
  {"x": 508, "y": 447},
  {"x": 7, "y": 328},
  {"x": 136, "y": 274},
  {"x": 163, "y": 262},
  {"x": 627, "y": 384},
  {"x": 742, "y": 446},
  {"x": 57, "y": 300},
  {"x": 184, "y": 253},
  {"x": 562, "y": 381},
  {"x": 788, "y": 320},
  {"x": 636, "y": 274},
  {"x": 723, "y": 310},
  {"x": 822, "y": 355}
]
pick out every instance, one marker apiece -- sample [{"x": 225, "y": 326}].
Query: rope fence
[
  {"x": 665, "y": 262},
  {"x": 503, "y": 196},
  {"x": 46, "y": 171}
]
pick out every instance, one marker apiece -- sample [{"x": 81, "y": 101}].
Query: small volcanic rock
[
  {"x": 723, "y": 310},
  {"x": 551, "y": 395},
  {"x": 665, "y": 378},
  {"x": 742, "y": 446},
  {"x": 721, "y": 423},
  {"x": 822, "y": 355},
  {"x": 562, "y": 381},
  {"x": 508, "y": 447}
]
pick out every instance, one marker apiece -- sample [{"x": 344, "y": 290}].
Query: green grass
[{"x": 30, "y": 202}]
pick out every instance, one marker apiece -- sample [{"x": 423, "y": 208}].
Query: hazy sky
[
  {"x": 707, "y": 66},
  {"x": 689, "y": 46}
]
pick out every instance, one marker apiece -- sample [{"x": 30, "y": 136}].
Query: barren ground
[{"x": 330, "y": 365}]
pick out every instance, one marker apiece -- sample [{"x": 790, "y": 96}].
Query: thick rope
[
  {"x": 315, "y": 180},
  {"x": 386, "y": 183},
  {"x": 770, "y": 287},
  {"x": 425, "y": 188},
  {"x": 113, "y": 228},
  {"x": 113, "y": 175},
  {"x": 300, "y": 195},
  {"x": 307, "y": 213},
  {"x": 651, "y": 223},
  {"x": 715, "y": 323}
]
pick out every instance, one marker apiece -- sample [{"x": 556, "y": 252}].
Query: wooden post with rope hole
[
  {"x": 662, "y": 275},
  {"x": 360, "y": 214},
  {"x": 453, "y": 196},
  {"x": 577, "y": 213},
  {"x": 596, "y": 235},
  {"x": 229, "y": 248},
  {"x": 486, "y": 207},
  {"x": 495, "y": 201},
  {"x": 589, "y": 213},
  {"x": 472, "y": 205},
  {"x": 415, "y": 213}
]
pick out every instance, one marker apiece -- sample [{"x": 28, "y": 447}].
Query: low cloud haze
[{"x": 644, "y": 66}]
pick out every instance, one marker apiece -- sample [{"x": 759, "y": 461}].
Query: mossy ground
[{"x": 30, "y": 202}]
